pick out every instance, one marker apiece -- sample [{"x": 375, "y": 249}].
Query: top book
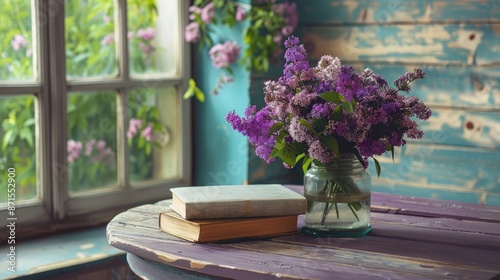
[{"x": 236, "y": 201}]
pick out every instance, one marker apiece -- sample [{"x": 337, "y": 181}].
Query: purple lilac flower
[
  {"x": 256, "y": 126},
  {"x": 18, "y": 42},
  {"x": 303, "y": 99},
  {"x": 98, "y": 152},
  {"x": 278, "y": 38},
  {"x": 348, "y": 83},
  {"x": 418, "y": 108},
  {"x": 328, "y": 69},
  {"x": 147, "y": 132},
  {"x": 108, "y": 40},
  {"x": 133, "y": 127},
  {"x": 321, "y": 110},
  {"x": 241, "y": 14},
  {"x": 297, "y": 63},
  {"x": 192, "y": 32},
  {"x": 74, "y": 149},
  {"x": 289, "y": 12},
  {"x": 299, "y": 132},
  {"x": 194, "y": 10},
  {"x": 319, "y": 152},
  {"x": 292, "y": 16},
  {"x": 208, "y": 13},
  {"x": 403, "y": 82},
  {"x": 89, "y": 147},
  {"x": 147, "y": 49},
  {"x": 146, "y": 34},
  {"x": 379, "y": 116},
  {"x": 371, "y": 147},
  {"x": 223, "y": 55}
]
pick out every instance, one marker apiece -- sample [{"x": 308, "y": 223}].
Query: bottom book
[{"x": 218, "y": 230}]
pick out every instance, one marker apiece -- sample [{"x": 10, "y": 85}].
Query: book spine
[{"x": 242, "y": 209}]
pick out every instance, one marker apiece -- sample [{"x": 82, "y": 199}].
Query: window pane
[
  {"x": 18, "y": 147},
  {"x": 153, "y": 36},
  {"x": 16, "y": 43},
  {"x": 152, "y": 134},
  {"x": 91, "y": 141},
  {"x": 90, "y": 38}
]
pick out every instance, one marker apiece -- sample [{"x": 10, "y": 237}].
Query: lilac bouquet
[{"x": 317, "y": 113}]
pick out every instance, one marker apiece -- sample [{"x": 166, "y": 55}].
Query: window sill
[{"x": 59, "y": 254}]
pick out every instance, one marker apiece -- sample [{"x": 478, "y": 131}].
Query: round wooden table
[{"x": 412, "y": 238}]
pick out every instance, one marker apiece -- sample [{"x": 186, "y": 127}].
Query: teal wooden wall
[
  {"x": 457, "y": 43},
  {"x": 220, "y": 153}
]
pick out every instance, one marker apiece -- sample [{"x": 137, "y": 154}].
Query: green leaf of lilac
[
  {"x": 299, "y": 157},
  {"x": 330, "y": 142},
  {"x": 337, "y": 113},
  {"x": 331, "y": 96},
  {"x": 320, "y": 123},
  {"x": 306, "y": 163},
  {"x": 348, "y": 106},
  {"x": 276, "y": 127},
  {"x": 288, "y": 156},
  {"x": 308, "y": 125},
  {"x": 275, "y": 153},
  {"x": 280, "y": 144},
  {"x": 377, "y": 166}
]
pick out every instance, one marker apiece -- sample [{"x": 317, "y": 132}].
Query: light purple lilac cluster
[
  {"x": 223, "y": 55},
  {"x": 145, "y": 36},
  {"x": 19, "y": 43},
  {"x": 97, "y": 151},
  {"x": 134, "y": 127},
  {"x": 312, "y": 111}
]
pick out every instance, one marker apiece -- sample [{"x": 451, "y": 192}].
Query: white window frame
[{"x": 57, "y": 206}]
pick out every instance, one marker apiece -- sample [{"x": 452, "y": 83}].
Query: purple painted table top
[{"x": 412, "y": 238}]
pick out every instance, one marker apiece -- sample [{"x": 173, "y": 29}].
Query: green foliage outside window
[{"x": 92, "y": 117}]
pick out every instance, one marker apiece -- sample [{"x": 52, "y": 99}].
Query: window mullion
[
  {"x": 122, "y": 112},
  {"x": 43, "y": 133},
  {"x": 58, "y": 103}
]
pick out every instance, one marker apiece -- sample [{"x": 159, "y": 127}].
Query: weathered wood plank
[
  {"x": 463, "y": 128},
  {"x": 449, "y": 44},
  {"x": 448, "y": 171},
  {"x": 430, "y": 191},
  {"x": 441, "y": 258},
  {"x": 433, "y": 208},
  {"x": 446, "y": 225},
  {"x": 424, "y": 229},
  {"x": 492, "y": 198},
  {"x": 386, "y": 11}
]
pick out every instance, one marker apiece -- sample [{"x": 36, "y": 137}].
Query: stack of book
[{"x": 221, "y": 213}]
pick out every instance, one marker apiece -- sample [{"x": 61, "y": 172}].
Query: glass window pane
[
  {"x": 18, "y": 147},
  {"x": 91, "y": 141},
  {"x": 153, "y": 36},
  {"x": 153, "y": 134},
  {"x": 16, "y": 43},
  {"x": 90, "y": 38}
]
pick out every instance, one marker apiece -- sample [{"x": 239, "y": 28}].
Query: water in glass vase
[
  {"x": 338, "y": 197},
  {"x": 339, "y": 216}
]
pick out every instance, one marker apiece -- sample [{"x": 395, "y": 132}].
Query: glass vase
[{"x": 338, "y": 199}]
